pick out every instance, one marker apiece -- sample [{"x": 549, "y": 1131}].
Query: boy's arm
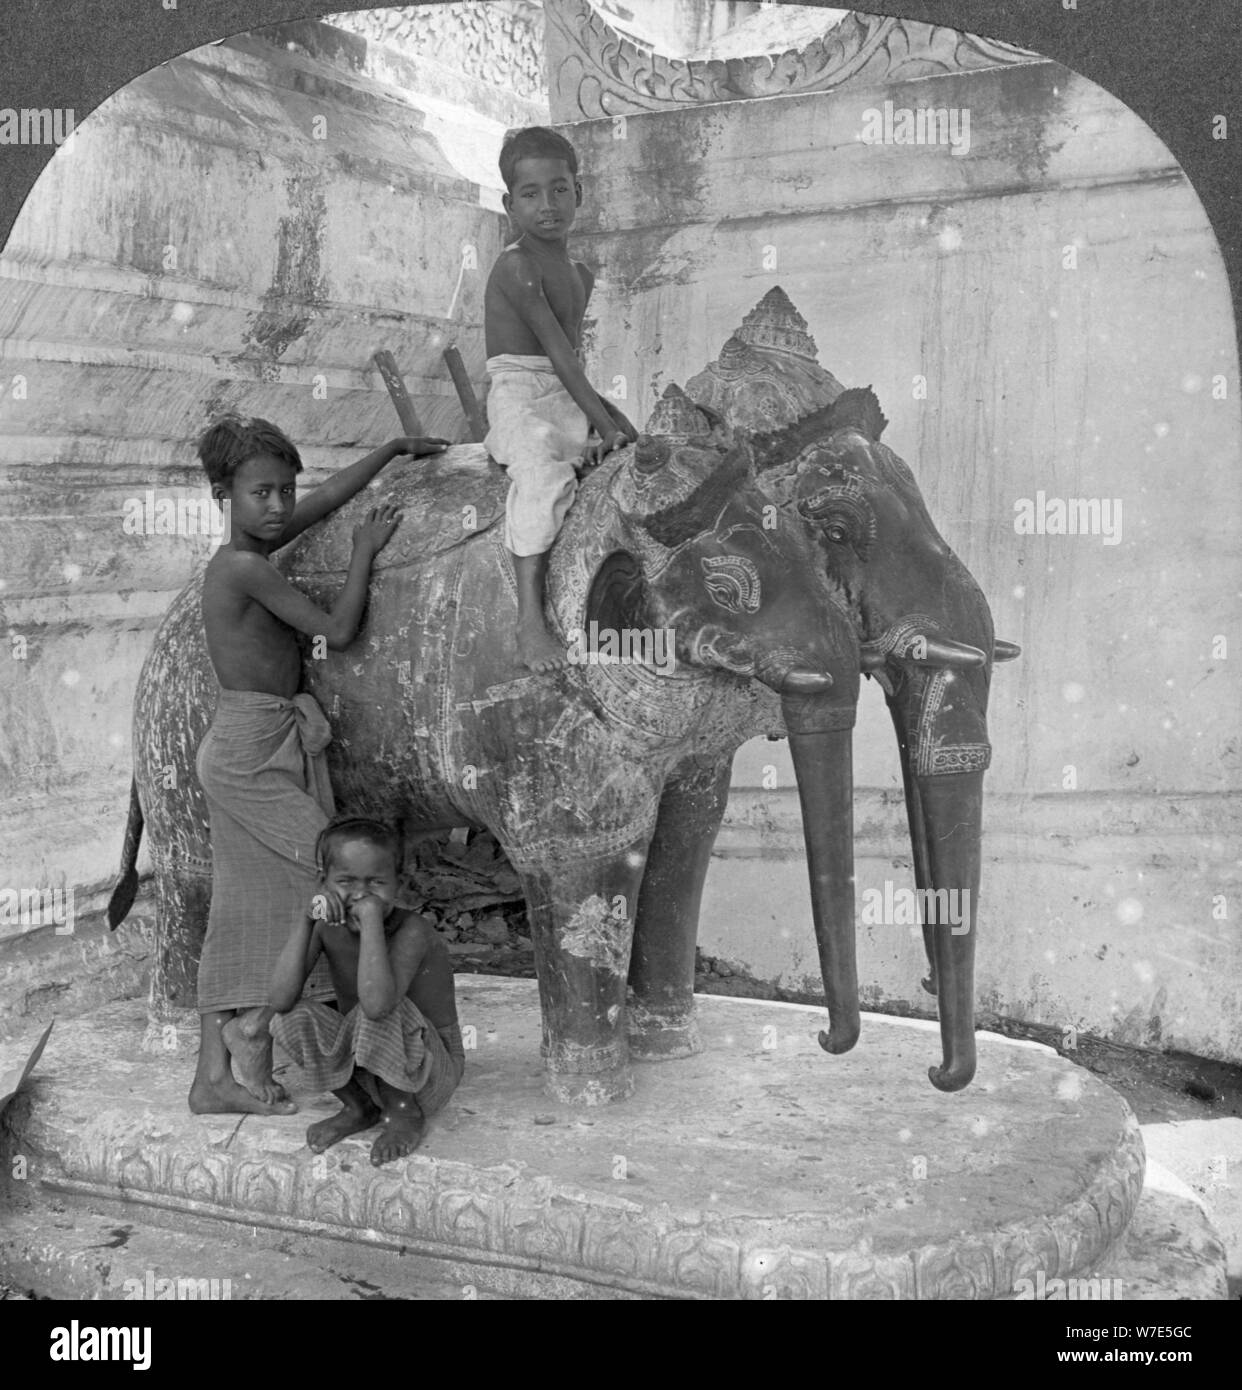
[
  {"x": 294, "y": 964},
  {"x": 386, "y": 965},
  {"x": 522, "y": 285},
  {"x": 619, "y": 419},
  {"x": 340, "y": 487},
  {"x": 255, "y": 577}
]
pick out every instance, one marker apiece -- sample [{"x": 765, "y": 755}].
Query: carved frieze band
[
  {"x": 593, "y": 71},
  {"x": 500, "y": 43},
  {"x": 450, "y": 1210}
]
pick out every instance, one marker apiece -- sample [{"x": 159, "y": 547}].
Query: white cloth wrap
[{"x": 537, "y": 433}]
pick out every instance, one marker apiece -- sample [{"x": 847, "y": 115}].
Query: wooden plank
[
  {"x": 406, "y": 413},
  {"x": 465, "y": 393}
]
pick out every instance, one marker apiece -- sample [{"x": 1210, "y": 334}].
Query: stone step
[
  {"x": 68, "y": 1250},
  {"x": 1172, "y": 1249},
  {"x": 71, "y": 1250},
  {"x": 760, "y": 1168}
]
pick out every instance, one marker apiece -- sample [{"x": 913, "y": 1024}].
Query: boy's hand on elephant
[
  {"x": 418, "y": 448},
  {"x": 621, "y": 420},
  {"x": 375, "y": 532},
  {"x": 596, "y": 452}
]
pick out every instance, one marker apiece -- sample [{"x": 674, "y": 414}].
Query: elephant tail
[{"x": 126, "y": 889}]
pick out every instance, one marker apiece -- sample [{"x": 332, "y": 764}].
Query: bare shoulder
[
  {"x": 587, "y": 275},
  {"x": 516, "y": 270},
  {"x": 230, "y": 569},
  {"x": 227, "y": 561}
]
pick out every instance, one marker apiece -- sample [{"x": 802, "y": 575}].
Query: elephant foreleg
[
  {"x": 661, "y": 1013},
  {"x": 918, "y": 843},
  {"x": 581, "y": 912}
]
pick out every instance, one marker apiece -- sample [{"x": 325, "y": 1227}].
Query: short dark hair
[
  {"x": 534, "y": 142},
  {"x": 343, "y": 829},
  {"x": 226, "y": 445}
]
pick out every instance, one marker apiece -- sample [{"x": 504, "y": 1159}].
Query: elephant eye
[{"x": 842, "y": 515}]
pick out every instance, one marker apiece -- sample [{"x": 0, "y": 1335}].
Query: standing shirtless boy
[
  {"x": 262, "y": 765},
  {"x": 541, "y": 407},
  {"x": 393, "y": 1055}
]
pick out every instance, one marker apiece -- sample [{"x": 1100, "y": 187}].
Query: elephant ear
[
  {"x": 858, "y": 408},
  {"x": 697, "y": 511},
  {"x": 778, "y": 448},
  {"x": 617, "y": 599}
]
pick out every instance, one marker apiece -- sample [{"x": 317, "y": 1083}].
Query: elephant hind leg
[{"x": 182, "y": 902}]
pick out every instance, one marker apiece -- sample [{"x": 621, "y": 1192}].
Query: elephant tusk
[
  {"x": 803, "y": 681},
  {"x": 904, "y": 643},
  {"x": 1005, "y": 651},
  {"x": 943, "y": 651}
]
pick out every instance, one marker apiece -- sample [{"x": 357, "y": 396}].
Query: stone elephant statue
[
  {"x": 604, "y": 784},
  {"x": 774, "y": 556}
]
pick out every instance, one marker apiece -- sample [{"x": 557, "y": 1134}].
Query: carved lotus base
[{"x": 759, "y": 1168}]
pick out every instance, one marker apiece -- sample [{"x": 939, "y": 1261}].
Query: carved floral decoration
[
  {"x": 500, "y": 43},
  {"x": 593, "y": 71}
]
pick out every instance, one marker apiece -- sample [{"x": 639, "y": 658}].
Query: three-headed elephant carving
[{"x": 779, "y": 564}]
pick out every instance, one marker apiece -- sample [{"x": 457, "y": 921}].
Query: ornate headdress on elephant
[{"x": 767, "y": 374}]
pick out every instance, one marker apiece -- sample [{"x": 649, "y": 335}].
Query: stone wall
[
  {"x": 1045, "y": 313},
  {"x": 674, "y": 26},
  {"x": 499, "y": 44},
  {"x": 241, "y": 227}
]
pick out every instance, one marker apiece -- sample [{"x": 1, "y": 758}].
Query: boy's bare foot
[
  {"x": 250, "y": 1051},
  {"x": 349, "y": 1119},
  {"x": 401, "y": 1134},
  {"x": 227, "y": 1097},
  {"x": 539, "y": 650}
]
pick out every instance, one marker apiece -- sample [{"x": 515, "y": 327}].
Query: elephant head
[
  {"x": 689, "y": 543},
  {"x": 923, "y": 626},
  {"x": 738, "y": 586},
  {"x": 926, "y": 637}
]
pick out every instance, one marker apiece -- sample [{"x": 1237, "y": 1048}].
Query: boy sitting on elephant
[
  {"x": 541, "y": 407},
  {"x": 261, "y": 764},
  {"x": 393, "y": 1055}
]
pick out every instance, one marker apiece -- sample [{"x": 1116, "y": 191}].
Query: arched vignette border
[{"x": 1176, "y": 67}]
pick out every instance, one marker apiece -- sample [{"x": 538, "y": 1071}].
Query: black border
[{"x": 1176, "y": 63}]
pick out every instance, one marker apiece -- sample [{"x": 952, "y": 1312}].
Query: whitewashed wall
[{"x": 241, "y": 227}]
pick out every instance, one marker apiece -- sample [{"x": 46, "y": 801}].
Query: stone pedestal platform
[{"x": 761, "y": 1168}]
